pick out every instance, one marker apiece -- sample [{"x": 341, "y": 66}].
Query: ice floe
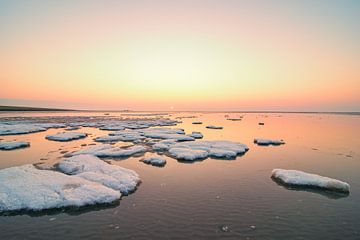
[
  {"x": 267, "y": 142},
  {"x": 303, "y": 179},
  {"x": 155, "y": 161},
  {"x": 110, "y": 151},
  {"x": 190, "y": 151},
  {"x": 28, "y": 188},
  {"x": 66, "y": 136},
  {"x": 93, "y": 169},
  {"x": 13, "y": 145},
  {"x": 214, "y": 127},
  {"x": 196, "y": 135}
]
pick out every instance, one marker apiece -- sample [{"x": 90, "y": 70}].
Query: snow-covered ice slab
[
  {"x": 196, "y": 135},
  {"x": 28, "y": 188},
  {"x": 66, "y": 136},
  {"x": 191, "y": 151},
  {"x": 267, "y": 142},
  {"x": 303, "y": 179},
  {"x": 110, "y": 151},
  {"x": 13, "y": 145},
  {"x": 155, "y": 161},
  {"x": 93, "y": 169},
  {"x": 214, "y": 127}
]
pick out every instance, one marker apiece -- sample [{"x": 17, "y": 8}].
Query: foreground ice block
[
  {"x": 66, "y": 136},
  {"x": 13, "y": 145},
  {"x": 303, "y": 179},
  {"x": 28, "y": 188},
  {"x": 94, "y": 169}
]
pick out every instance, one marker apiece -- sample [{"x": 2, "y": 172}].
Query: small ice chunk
[
  {"x": 303, "y": 179},
  {"x": 13, "y": 145},
  {"x": 66, "y": 136},
  {"x": 28, "y": 188},
  {"x": 155, "y": 161},
  {"x": 267, "y": 142},
  {"x": 93, "y": 169},
  {"x": 196, "y": 135},
  {"x": 214, "y": 127}
]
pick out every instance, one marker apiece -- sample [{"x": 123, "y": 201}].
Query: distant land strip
[{"x": 21, "y": 108}]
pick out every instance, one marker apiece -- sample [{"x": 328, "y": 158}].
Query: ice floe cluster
[
  {"x": 150, "y": 133},
  {"x": 14, "y": 129},
  {"x": 13, "y": 145},
  {"x": 31, "y": 125},
  {"x": 303, "y": 179},
  {"x": 191, "y": 151}
]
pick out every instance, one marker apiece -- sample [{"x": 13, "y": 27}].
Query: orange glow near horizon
[{"x": 158, "y": 56}]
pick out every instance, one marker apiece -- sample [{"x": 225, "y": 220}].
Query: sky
[{"x": 225, "y": 55}]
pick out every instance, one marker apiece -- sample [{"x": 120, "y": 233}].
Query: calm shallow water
[{"x": 200, "y": 200}]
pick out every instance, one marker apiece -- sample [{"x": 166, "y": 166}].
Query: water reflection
[
  {"x": 312, "y": 189},
  {"x": 73, "y": 211}
]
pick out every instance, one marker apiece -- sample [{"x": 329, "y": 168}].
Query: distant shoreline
[
  {"x": 31, "y": 109},
  {"x": 39, "y": 109}
]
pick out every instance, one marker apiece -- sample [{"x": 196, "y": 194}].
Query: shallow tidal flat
[{"x": 216, "y": 186}]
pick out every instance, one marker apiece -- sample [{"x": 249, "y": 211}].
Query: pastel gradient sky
[{"x": 182, "y": 55}]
